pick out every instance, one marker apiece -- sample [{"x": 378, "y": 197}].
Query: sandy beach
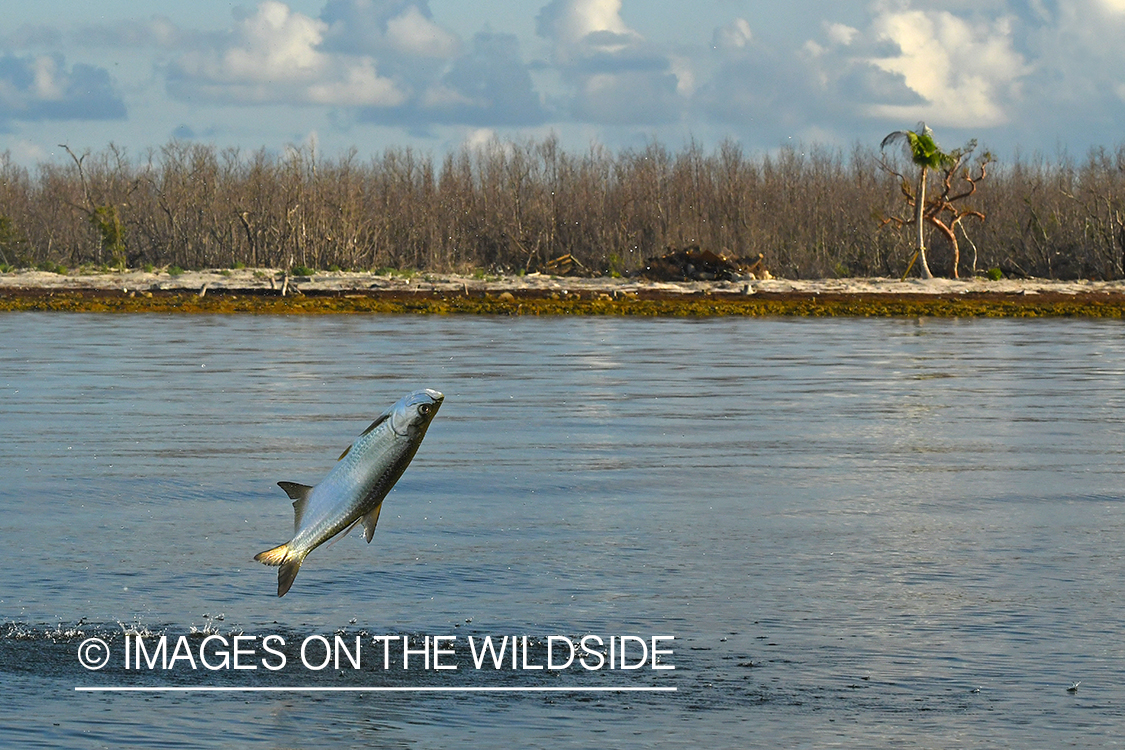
[
  {"x": 272, "y": 291},
  {"x": 263, "y": 280}
]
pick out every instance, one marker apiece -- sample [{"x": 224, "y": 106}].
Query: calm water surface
[{"x": 895, "y": 533}]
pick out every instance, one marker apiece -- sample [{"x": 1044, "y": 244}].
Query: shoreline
[{"x": 270, "y": 291}]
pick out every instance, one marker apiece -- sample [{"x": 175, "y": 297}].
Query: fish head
[{"x": 412, "y": 414}]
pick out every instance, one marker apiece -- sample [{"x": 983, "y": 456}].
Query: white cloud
[
  {"x": 46, "y": 85},
  {"x": 402, "y": 34},
  {"x": 613, "y": 74},
  {"x": 584, "y": 29},
  {"x": 757, "y": 88},
  {"x": 840, "y": 34},
  {"x": 413, "y": 33},
  {"x": 488, "y": 85},
  {"x": 274, "y": 56},
  {"x": 481, "y": 139},
  {"x": 1081, "y": 32},
  {"x": 274, "y": 43},
  {"x": 1113, "y": 6},
  {"x": 1079, "y": 67},
  {"x": 733, "y": 37},
  {"x": 907, "y": 64},
  {"x": 386, "y": 58},
  {"x": 42, "y": 87},
  {"x": 361, "y": 86},
  {"x": 570, "y": 21},
  {"x": 681, "y": 68},
  {"x": 1036, "y": 71},
  {"x": 966, "y": 72}
]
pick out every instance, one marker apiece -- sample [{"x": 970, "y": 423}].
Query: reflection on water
[{"x": 849, "y": 525}]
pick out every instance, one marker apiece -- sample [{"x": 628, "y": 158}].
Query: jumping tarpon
[{"x": 352, "y": 493}]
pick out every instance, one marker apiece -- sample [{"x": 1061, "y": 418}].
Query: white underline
[{"x": 310, "y": 689}]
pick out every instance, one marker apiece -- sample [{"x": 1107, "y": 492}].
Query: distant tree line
[{"x": 512, "y": 206}]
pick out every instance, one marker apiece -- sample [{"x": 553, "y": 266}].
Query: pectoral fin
[
  {"x": 369, "y": 522},
  {"x": 341, "y": 535}
]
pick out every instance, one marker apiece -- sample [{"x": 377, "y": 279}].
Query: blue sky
[{"x": 1032, "y": 75}]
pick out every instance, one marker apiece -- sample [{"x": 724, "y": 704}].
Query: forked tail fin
[{"x": 288, "y": 563}]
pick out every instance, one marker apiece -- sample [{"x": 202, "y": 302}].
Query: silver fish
[{"x": 352, "y": 493}]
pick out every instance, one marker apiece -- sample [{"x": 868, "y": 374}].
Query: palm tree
[{"x": 921, "y": 149}]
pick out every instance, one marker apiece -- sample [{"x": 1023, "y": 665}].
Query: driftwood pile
[
  {"x": 689, "y": 264},
  {"x": 694, "y": 264},
  {"x": 567, "y": 265}
]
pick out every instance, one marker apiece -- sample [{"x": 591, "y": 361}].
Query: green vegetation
[
  {"x": 108, "y": 223},
  {"x": 301, "y": 270},
  {"x": 944, "y": 209},
  {"x": 50, "y": 266},
  {"x": 923, "y": 151}
]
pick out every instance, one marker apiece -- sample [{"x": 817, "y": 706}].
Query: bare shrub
[{"x": 513, "y": 206}]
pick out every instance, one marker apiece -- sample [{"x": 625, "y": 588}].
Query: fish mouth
[{"x": 436, "y": 399}]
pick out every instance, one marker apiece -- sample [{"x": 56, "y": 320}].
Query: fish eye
[{"x": 424, "y": 409}]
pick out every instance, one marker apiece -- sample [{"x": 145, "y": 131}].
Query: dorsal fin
[
  {"x": 382, "y": 418},
  {"x": 299, "y": 494},
  {"x": 369, "y": 522}
]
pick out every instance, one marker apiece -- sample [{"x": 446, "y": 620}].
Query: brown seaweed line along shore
[{"x": 647, "y": 303}]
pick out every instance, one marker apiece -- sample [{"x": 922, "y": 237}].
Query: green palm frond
[{"x": 919, "y": 145}]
